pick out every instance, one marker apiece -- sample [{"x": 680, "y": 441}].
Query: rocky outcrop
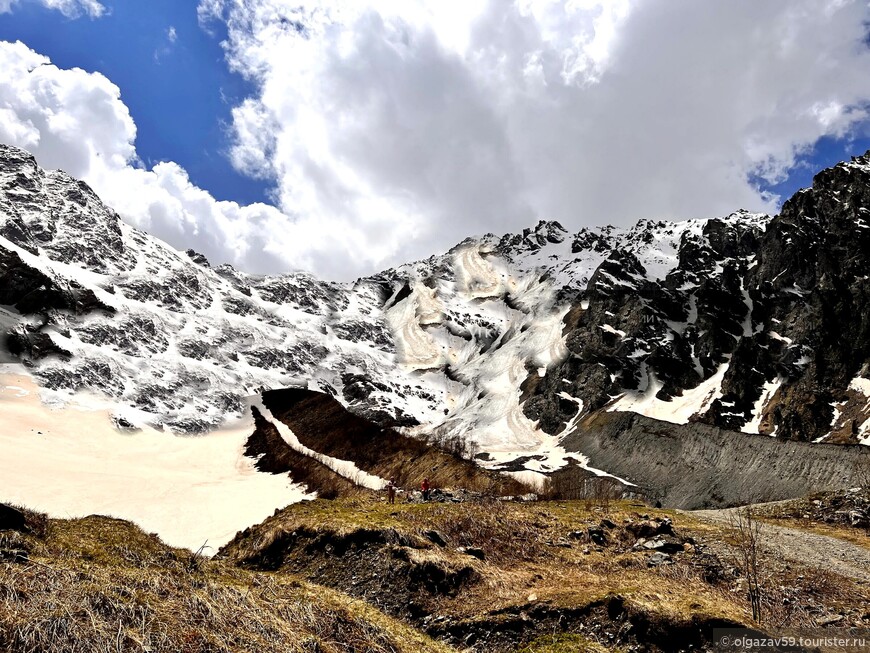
[
  {"x": 629, "y": 326},
  {"x": 33, "y": 292},
  {"x": 783, "y": 302}
]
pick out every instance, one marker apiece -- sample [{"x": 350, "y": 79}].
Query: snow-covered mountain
[{"x": 747, "y": 322}]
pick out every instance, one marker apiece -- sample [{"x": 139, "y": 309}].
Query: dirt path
[{"x": 804, "y": 547}]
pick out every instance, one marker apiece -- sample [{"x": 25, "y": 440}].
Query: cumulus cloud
[
  {"x": 75, "y": 121},
  {"x": 69, "y": 8},
  {"x": 415, "y": 122},
  {"x": 69, "y": 118},
  {"x": 392, "y": 129}
]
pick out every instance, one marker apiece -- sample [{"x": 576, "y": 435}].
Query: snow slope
[
  {"x": 71, "y": 461},
  {"x": 440, "y": 346}
]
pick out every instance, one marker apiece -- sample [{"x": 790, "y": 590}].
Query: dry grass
[
  {"x": 565, "y": 643},
  {"x": 524, "y": 558},
  {"x": 503, "y": 533},
  {"x": 99, "y": 584},
  {"x": 525, "y": 550}
]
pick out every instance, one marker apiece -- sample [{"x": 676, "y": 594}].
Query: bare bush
[
  {"x": 459, "y": 445},
  {"x": 748, "y": 531}
]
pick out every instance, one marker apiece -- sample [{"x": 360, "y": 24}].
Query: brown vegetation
[
  {"x": 498, "y": 561},
  {"x": 274, "y": 455},
  {"x": 748, "y": 536},
  {"x": 485, "y": 576},
  {"x": 101, "y": 584},
  {"x": 324, "y": 425}
]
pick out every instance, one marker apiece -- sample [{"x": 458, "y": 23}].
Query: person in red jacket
[{"x": 425, "y": 487}]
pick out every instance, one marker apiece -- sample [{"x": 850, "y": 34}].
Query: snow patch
[
  {"x": 677, "y": 410},
  {"x": 71, "y": 462},
  {"x": 767, "y": 391},
  {"x": 344, "y": 468}
]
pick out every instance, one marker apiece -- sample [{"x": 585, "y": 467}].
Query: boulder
[{"x": 658, "y": 558}]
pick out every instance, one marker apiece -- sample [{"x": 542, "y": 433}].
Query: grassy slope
[
  {"x": 101, "y": 584},
  {"x": 526, "y": 556}
]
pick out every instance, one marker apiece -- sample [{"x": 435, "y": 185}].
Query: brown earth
[{"x": 324, "y": 425}]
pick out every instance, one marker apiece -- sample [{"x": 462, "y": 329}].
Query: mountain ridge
[{"x": 506, "y": 340}]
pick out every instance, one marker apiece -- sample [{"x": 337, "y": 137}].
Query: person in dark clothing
[
  {"x": 425, "y": 488},
  {"x": 391, "y": 491}
]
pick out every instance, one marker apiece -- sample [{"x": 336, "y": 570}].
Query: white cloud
[
  {"x": 69, "y": 8},
  {"x": 165, "y": 48},
  {"x": 394, "y": 129},
  {"x": 76, "y": 121},
  {"x": 70, "y": 118},
  {"x": 424, "y": 120}
]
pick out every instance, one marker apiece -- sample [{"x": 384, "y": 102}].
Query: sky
[{"x": 342, "y": 137}]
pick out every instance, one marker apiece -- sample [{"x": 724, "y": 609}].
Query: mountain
[{"x": 504, "y": 344}]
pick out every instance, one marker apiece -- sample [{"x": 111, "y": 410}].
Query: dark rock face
[
  {"x": 70, "y": 214},
  {"x": 304, "y": 292},
  {"x": 33, "y": 292},
  {"x": 358, "y": 331},
  {"x": 784, "y": 303},
  {"x": 198, "y": 258},
  {"x": 680, "y": 328},
  {"x": 811, "y": 287}
]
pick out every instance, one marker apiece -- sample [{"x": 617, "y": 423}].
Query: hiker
[
  {"x": 425, "y": 487},
  {"x": 391, "y": 491}
]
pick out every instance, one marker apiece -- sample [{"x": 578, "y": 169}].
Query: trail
[{"x": 804, "y": 547}]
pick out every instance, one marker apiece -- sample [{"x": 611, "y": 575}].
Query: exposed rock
[
  {"x": 198, "y": 258},
  {"x": 664, "y": 544},
  {"x": 473, "y": 551},
  {"x": 12, "y": 519},
  {"x": 596, "y": 535},
  {"x": 435, "y": 537},
  {"x": 657, "y": 559}
]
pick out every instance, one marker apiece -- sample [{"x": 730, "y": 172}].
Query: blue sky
[
  {"x": 180, "y": 94},
  {"x": 361, "y": 134},
  {"x": 825, "y": 152}
]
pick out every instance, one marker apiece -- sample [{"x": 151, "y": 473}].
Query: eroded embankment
[
  {"x": 699, "y": 466},
  {"x": 497, "y": 576},
  {"x": 323, "y": 425}
]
